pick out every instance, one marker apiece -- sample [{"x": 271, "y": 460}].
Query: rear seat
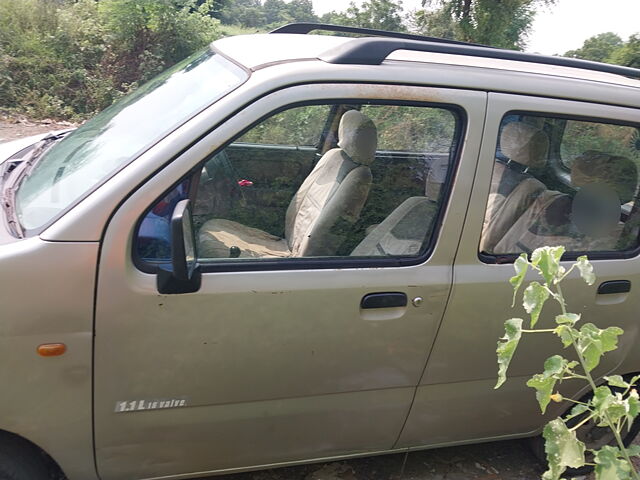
[{"x": 589, "y": 221}]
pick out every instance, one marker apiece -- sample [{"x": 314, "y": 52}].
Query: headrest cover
[
  {"x": 596, "y": 210},
  {"x": 436, "y": 177},
  {"x": 618, "y": 173},
  {"x": 358, "y": 137},
  {"x": 524, "y": 144}
]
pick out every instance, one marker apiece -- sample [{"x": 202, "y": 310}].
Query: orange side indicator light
[{"x": 51, "y": 349}]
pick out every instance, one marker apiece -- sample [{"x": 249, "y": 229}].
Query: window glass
[
  {"x": 89, "y": 155},
  {"x": 580, "y": 136},
  {"x": 295, "y": 127},
  {"x": 262, "y": 199},
  {"x": 588, "y": 205}
]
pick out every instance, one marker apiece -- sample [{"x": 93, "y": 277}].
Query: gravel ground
[{"x": 508, "y": 460}]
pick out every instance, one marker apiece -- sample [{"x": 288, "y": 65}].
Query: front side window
[
  {"x": 559, "y": 181},
  {"x": 95, "y": 151},
  {"x": 324, "y": 181}
]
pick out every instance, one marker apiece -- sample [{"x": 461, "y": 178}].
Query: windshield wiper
[{"x": 14, "y": 172}]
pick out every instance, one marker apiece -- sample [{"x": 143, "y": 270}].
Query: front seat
[
  {"x": 404, "y": 231},
  {"x": 322, "y": 211},
  {"x": 513, "y": 190}
]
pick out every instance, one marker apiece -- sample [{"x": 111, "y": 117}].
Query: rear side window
[
  {"x": 320, "y": 181},
  {"x": 559, "y": 181},
  {"x": 581, "y": 136}
]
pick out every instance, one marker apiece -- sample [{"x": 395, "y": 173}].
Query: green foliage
[
  {"x": 563, "y": 448},
  {"x": 380, "y": 14},
  {"x": 609, "y": 48},
  {"x": 598, "y": 48},
  {"x": 614, "y": 405},
  {"x": 71, "y": 59},
  {"x": 507, "y": 347},
  {"x": 501, "y": 24}
]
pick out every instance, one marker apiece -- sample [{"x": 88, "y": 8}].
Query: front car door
[
  {"x": 278, "y": 356},
  {"x": 537, "y": 155}
]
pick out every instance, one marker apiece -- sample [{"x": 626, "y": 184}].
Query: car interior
[
  {"x": 562, "y": 182},
  {"x": 352, "y": 180}
]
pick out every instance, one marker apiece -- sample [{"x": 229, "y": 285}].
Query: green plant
[{"x": 615, "y": 409}]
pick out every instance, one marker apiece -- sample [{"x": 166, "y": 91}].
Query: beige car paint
[
  {"x": 259, "y": 403},
  {"x": 46, "y": 296},
  {"x": 461, "y": 368},
  {"x": 277, "y": 365}
]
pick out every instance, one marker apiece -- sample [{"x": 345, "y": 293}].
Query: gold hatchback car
[{"x": 292, "y": 248}]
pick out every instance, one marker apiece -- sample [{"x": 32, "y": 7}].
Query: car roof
[{"x": 262, "y": 50}]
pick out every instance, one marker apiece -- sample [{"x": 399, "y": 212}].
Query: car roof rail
[
  {"x": 373, "y": 51},
  {"x": 307, "y": 27}
]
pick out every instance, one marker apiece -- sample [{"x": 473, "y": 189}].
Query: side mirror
[{"x": 183, "y": 276}]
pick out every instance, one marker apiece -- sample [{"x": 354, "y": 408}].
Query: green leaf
[
  {"x": 544, "y": 382},
  {"x": 633, "y": 406},
  {"x": 586, "y": 270},
  {"x": 610, "y": 465},
  {"x": 507, "y": 347},
  {"x": 535, "y": 295},
  {"x": 547, "y": 260},
  {"x": 521, "y": 265},
  {"x": 616, "y": 381},
  {"x": 595, "y": 342},
  {"x": 576, "y": 411},
  {"x": 566, "y": 334},
  {"x": 633, "y": 450},
  {"x": 608, "y": 405},
  {"x": 563, "y": 449},
  {"x": 568, "y": 319}
]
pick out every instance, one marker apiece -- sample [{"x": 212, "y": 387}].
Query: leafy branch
[{"x": 614, "y": 405}]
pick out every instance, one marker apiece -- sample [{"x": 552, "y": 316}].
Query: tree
[
  {"x": 500, "y": 23},
  {"x": 629, "y": 54},
  {"x": 379, "y": 14},
  {"x": 598, "y": 48}
]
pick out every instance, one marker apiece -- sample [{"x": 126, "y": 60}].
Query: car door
[
  {"x": 462, "y": 368},
  {"x": 277, "y": 360}
]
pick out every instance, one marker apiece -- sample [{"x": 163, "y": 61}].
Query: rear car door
[
  {"x": 284, "y": 358},
  {"x": 551, "y": 172}
]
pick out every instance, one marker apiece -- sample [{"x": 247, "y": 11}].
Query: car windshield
[{"x": 94, "y": 152}]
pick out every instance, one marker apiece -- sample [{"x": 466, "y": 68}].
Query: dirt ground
[
  {"x": 508, "y": 460},
  {"x": 12, "y": 128}
]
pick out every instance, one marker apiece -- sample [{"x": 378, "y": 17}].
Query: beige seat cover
[
  {"x": 403, "y": 232},
  {"x": 512, "y": 191},
  {"x": 552, "y": 218},
  {"x": 323, "y": 209}
]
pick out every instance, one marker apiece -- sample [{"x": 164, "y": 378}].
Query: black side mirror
[{"x": 183, "y": 276}]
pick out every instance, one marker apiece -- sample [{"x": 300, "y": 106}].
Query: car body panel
[
  {"x": 285, "y": 351},
  {"x": 47, "y": 297},
  {"x": 463, "y": 360}
]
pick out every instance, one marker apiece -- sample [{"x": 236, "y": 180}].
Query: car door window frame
[
  {"x": 556, "y": 113},
  {"x": 302, "y": 263}
]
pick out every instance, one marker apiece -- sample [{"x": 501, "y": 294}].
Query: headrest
[
  {"x": 596, "y": 210},
  {"x": 436, "y": 178},
  {"x": 525, "y": 144},
  {"x": 618, "y": 173},
  {"x": 358, "y": 137}
]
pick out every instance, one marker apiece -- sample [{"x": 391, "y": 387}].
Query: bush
[{"x": 70, "y": 59}]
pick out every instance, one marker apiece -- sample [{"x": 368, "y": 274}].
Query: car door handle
[
  {"x": 384, "y": 300},
  {"x": 614, "y": 286}
]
